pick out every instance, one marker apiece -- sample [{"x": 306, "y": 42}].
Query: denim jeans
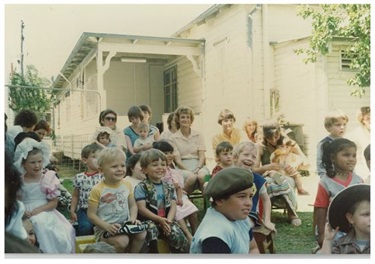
[{"x": 85, "y": 227}]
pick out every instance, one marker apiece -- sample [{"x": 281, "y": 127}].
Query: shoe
[
  {"x": 303, "y": 192},
  {"x": 296, "y": 222}
]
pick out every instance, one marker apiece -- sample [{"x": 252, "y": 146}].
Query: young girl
[
  {"x": 244, "y": 156},
  {"x": 39, "y": 194},
  {"x": 339, "y": 160},
  {"x": 134, "y": 174},
  {"x": 156, "y": 202},
  {"x": 224, "y": 157},
  {"x": 186, "y": 210},
  {"x": 104, "y": 137},
  {"x": 111, "y": 203},
  {"x": 349, "y": 212}
]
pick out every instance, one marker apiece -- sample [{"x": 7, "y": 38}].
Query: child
[
  {"x": 144, "y": 142},
  {"x": 104, "y": 136},
  {"x": 244, "y": 156},
  {"x": 134, "y": 174},
  {"x": 111, "y": 203},
  {"x": 335, "y": 123},
  {"x": 366, "y": 154},
  {"x": 283, "y": 155},
  {"x": 186, "y": 210},
  {"x": 251, "y": 129},
  {"x": 339, "y": 160},
  {"x": 224, "y": 152},
  {"x": 83, "y": 183},
  {"x": 24, "y": 121},
  {"x": 156, "y": 202},
  {"x": 226, "y": 227},
  {"x": 349, "y": 212},
  {"x": 147, "y": 115},
  {"x": 39, "y": 194}
]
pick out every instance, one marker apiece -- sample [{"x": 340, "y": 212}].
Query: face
[
  {"x": 104, "y": 139},
  {"x": 361, "y": 218},
  {"x": 137, "y": 172},
  {"x": 110, "y": 121},
  {"x": 135, "y": 121},
  {"x": 274, "y": 138},
  {"x": 156, "y": 170},
  {"x": 227, "y": 124},
  {"x": 170, "y": 157},
  {"x": 250, "y": 127},
  {"x": 338, "y": 128},
  {"x": 237, "y": 206},
  {"x": 146, "y": 116},
  {"x": 91, "y": 162},
  {"x": 185, "y": 120},
  {"x": 247, "y": 158},
  {"x": 31, "y": 238},
  {"x": 41, "y": 133},
  {"x": 114, "y": 170},
  {"x": 143, "y": 133},
  {"x": 33, "y": 165},
  {"x": 345, "y": 160},
  {"x": 226, "y": 158},
  {"x": 367, "y": 121}
]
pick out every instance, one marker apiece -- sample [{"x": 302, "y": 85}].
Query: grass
[{"x": 288, "y": 240}]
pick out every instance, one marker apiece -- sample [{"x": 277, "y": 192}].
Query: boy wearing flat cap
[
  {"x": 349, "y": 212},
  {"x": 226, "y": 225}
]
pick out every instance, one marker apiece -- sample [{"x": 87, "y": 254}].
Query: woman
[
  {"x": 279, "y": 187},
  {"x": 229, "y": 133},
  {"x": 108, "y": 118},
  {"x": 250, "y": 127},
  {"x": 190, "y": 148},
  {"x": 135, "y": 117}
]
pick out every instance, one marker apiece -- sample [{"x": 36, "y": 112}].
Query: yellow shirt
[{"x": 235, "y": 138}]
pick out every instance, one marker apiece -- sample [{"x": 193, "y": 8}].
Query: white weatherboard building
[{"x": 240, "y": 57}]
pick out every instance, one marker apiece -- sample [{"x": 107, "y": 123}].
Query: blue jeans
[{"x": 85, "y": 227}]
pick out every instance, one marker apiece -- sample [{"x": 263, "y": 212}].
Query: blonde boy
[
  {"x": 111, "y": 203},
  {"x": 335, "y": 123}
]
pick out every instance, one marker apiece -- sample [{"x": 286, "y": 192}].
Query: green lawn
[{"x": 288, "y": 240}]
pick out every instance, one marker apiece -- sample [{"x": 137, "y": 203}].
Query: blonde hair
[
  {"x": 183, "y": 110},
  {"x": 333, "y": 117},
  {"x": 144, "y": 126},
  {"x": 240, "y": 147},
  {"x": 109, "y": 154},
  {"x": 361, "y": 112}
]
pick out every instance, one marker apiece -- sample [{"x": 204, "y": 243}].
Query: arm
[
  {"x": 201, "y": 160},
  {"x": 97, "y": 221},
  {"x": 129, "y": 145},
  {"x": 50, "y": 205},
  {"x": 178, "y": 161},
  {"x": 321, "y": 216},
  {"x": 253, "y": 247},
  {"x": 267, "y": 211},
  {"x": 329, "y": 235},
  {"x": 74, "y": 204},
  {"x": 133, "y": 209}
]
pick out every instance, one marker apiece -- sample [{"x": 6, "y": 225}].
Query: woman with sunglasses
[{"x": 108, "y": 118}]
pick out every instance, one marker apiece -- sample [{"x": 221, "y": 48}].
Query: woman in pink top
[{"x": 190, "y": 147}]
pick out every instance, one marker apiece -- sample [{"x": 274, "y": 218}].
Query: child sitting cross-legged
[
  {"x": 156, "y": 202},
  {"x": 111, "y": 204}
]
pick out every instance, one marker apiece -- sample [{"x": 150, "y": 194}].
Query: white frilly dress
[{"x": 54, "y": 232}]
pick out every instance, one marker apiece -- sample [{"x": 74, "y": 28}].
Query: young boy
[
  {"x": 156, "y": 202},
  {"x": 83, "y": 183},
  {"x": 349, "y": 212},
  {"x": 144, "y": 141},
  {"x": 226, "y": 227},
  {"x": 224, "y": 159},
  {"x": 111, "y": 203},
  {"x": 335, "y": 123}
]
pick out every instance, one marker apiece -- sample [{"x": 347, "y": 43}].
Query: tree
[
  {"x": 350, "y": 21},
  {"x": 28, "y": 92}
]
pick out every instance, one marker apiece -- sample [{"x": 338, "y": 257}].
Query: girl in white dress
[{"x": 39, "y": 193}]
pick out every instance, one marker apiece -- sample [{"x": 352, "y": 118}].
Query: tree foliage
[
  {"x": 350, "y": 21},
  {"x": 28, "y": 92}
]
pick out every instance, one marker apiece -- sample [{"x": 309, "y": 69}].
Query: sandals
[{"x": 303, "y": 192}]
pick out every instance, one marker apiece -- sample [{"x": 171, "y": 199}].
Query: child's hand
[
  {"x": 165, "y": 225},
  {"x": 290, "y": 170},
  {"x": 113, "y": 228},
  {"x": 330, "y": 233},
  {"x": 73, "y": 217},
  {"x": 179, "y": 202}
]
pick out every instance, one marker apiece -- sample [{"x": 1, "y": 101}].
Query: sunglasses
[{"x": 110, "y": 118}]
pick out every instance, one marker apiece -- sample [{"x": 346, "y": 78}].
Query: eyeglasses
[{"x": 108, "y": 118}]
